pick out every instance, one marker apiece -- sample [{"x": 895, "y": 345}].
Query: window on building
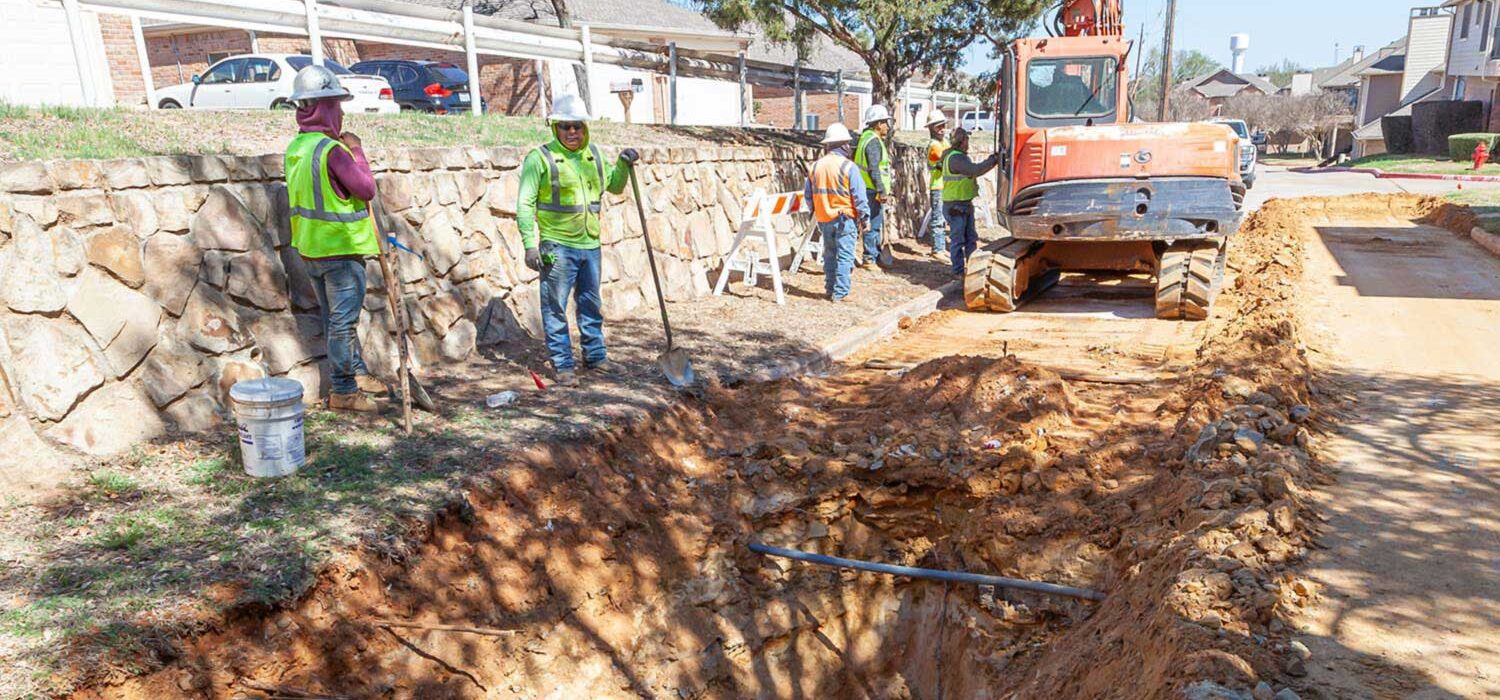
[
  {"x": 216, "y": 56},
  {"x": 811, "y": 122},
  {"x": 1463, "y": 28},
  {"x": 1484, "y": 25}
]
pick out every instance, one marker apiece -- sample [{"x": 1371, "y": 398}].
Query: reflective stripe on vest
[
  {"x": 831, "y": 193},
  {"x": 884, "y": 165},
  {"x": 324, "y": 224},
  {"x": 555, "y": 203},
  {"x": 957, "y": 188}
]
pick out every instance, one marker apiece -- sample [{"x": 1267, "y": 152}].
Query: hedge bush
[{"x": 1461, "y": 146}]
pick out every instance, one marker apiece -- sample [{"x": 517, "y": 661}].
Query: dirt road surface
[{"x": 1410, "y": 318}]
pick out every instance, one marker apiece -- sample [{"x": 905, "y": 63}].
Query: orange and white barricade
[{"x": 756, "y": 250}]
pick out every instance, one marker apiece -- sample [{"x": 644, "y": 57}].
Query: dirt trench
[{"x": 620, "y": 569}]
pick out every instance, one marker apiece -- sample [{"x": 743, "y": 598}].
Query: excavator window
[{"x": 1072, "y": 88}]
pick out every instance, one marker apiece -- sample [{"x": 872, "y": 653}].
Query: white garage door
[{"x": 37, "y": 55}]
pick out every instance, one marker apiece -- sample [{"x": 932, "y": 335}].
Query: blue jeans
[
  {"x": 963, "y": 238},
  {"x": 937, "y": 223},
  {"x": 575, "y": 272},
  {"x": 340, "y": 285},
  {"x": 838, "y": 255},
  {"x": 877, "y": 224}
]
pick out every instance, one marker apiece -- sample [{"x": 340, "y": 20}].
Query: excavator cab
[{"x": 1081, "y": 188}]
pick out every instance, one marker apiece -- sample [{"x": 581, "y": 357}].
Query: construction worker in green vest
[
  {"x": 874, "y": 160},
  {"x": 557, "y": 211},
  {"x": 960, "y": 188},
  {"x": 329, "y": 186}
]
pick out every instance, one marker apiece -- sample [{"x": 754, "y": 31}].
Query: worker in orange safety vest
[{"x": 836, "y": 189}]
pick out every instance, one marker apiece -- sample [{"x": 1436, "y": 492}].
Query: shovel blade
[
  {"x": 419, "y": 395},
  {"x": 679, "y": 369},
  {"x": 886, "y": 258}
]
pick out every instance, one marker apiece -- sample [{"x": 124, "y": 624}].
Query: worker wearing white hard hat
[
  {"x": 840, "y": 208},
  {"x": 558, "y": 210},
  {"x": 874, "y": 160},
  {"x": 937, "y": 145}
]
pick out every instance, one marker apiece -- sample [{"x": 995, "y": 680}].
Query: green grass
[
  {"x": 1423, "y": 165},
  {"x": 41, "y": 133},
  {"x": 111, "y": 484}
]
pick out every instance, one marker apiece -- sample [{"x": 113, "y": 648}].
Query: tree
[
  {"x": 895, "y": 38},
  {"x": 1187, "y": 65},
  {"x": 1280, "y": 74},
  {"x": 1291, "y": 119},
  {"x": 565, "y": 20}
]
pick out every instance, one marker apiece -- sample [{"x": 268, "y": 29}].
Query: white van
[{"x": 979, "y": 120}]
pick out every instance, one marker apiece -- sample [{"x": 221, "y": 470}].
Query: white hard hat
[
  {"x": 837, "y": 133},
  {"x": 316, "y": 82},
  {"x": 568, "y": 108},
  {"x": 936, "y": 116},
  {"x": 876, "y": 113}
]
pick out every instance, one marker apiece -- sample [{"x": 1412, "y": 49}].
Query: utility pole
[{"x": 1166, "y": 61}]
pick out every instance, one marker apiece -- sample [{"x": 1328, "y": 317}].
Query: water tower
[{"x": 1239, "y": 45}]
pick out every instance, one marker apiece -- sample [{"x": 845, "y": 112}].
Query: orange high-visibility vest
[{"x": 832, "y": 177}]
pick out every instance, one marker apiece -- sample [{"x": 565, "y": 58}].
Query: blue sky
[{"x": 1302, "y": 30}]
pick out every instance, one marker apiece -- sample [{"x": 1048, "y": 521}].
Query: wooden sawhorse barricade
[{"x": 756, "y": 250}]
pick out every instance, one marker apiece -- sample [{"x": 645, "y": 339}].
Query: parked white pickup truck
[
  {"x": 264, "y": 81},
  {"x": 1249, "y": 153}
]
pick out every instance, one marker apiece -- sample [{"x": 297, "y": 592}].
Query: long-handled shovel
[
  {"x": 410, "y": 387},
  {"x": 675, "y": 362}
]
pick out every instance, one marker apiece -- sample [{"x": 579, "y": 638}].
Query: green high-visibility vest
[
  {"x": 957, "y": 188},
  {"x": 864, "y": 165},
  {"x": 567, "y": 192},
  {"x": 324, "y": 224}
]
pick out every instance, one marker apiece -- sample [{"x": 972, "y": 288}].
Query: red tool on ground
[{"x": 538, "y": 379}]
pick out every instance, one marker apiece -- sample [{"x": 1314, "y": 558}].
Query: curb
[
  {"x": 853, "y": 340},
  {"x": 1486, "y": 240},
  {"x": 1383, "y": 175}
]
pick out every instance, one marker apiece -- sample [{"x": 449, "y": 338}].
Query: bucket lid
[{"x": 268, "y": 390}]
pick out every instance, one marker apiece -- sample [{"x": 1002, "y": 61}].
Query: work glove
[
  {"x": 534, "y": 259},
  {"x": 630, "y": 156}
]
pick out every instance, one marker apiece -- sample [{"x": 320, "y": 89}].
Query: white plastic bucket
[{"x": 269, "y": 414}]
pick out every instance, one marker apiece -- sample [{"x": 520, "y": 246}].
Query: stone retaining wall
[{"x": 135, "y": 292}]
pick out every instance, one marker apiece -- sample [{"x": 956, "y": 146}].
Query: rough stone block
[
  {"x": 426, "y": 159},
  {"x": 172, "y": 211},
  {"x": 211, "y": 323},
  {"x": 134, "y": 209},
  {"x": 244, "y": 168},
  {"x": 273, "y": 165},
  {"x": 171, "y": 263},
  {"x": 84, "y": 208},
  {"x": 444, "y": 247},
  {"x": 314, "y": 379},
  {"x": 197, "y": 412},
  {"x": 25, "y": 177},
  {"x": 74, "y": 174},
  {"x": 500, "y": 196},
  {"x": 257, "y": 279},
  {"x": 172, "y": 370},
  {"x": 225, "y": 223},
  {"x": 110, "y": 421},
  {"x": 7, "y": 219},
  {"x": 471, "y": 187},
  {"x": 214, "y": 270},
  {"x": 118, "y": 251},
  {"x": 125, "y": 174},
  {"x": 231, "y": 371},
  {"x": 441, "y": 311},
  {"x": 506, "y": 158},
  {"x": 169, "y": 170},
  {"x": 30, "y": 279},
  {"x": 27, "y": 462},
  {"x": 445, "y": 189},
  {"x": 121, "y": 320},
  {"x": 395, "y": 192},
  {"x": 388, "y": 160},
  {"x": 525, "y": 306},
  {"x": 458, "y": 343},
  {"x": 53, "y": 364},
  {"x": 286, "y": 341},
  {"x": 303, "y": 296}
]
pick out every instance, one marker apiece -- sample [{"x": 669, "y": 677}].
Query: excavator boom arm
[{"x": 1091, "y": 18}]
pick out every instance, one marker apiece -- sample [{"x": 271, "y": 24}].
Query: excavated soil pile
[{"x": 620, "y": 569}]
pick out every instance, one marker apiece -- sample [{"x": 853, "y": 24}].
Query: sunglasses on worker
[{"x": 570, "y": 126}]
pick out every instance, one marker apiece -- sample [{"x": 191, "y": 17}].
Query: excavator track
[
  {"x": 1002, "y": 280},
  {"x": 1189, "y": 278}
]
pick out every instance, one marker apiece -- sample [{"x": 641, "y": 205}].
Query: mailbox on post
[{"x": 626, "y": 90}]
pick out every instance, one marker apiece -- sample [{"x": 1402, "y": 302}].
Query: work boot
[
  {"x": 371, "y": 385},
  {"x": 604, "y": 367},
  {"x": 356, "y": 402},
  {"x": 566, "y": 377}
]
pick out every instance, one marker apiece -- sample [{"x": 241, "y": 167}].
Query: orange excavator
[{"x": 1081, "y": 188}]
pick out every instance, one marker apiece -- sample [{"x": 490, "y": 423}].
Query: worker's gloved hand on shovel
[
  {"x": 630, "y": 156},
  {"x": 534, "y": 259}
]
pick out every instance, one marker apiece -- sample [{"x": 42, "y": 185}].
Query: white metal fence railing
[{"x": 392, "y": 22}]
